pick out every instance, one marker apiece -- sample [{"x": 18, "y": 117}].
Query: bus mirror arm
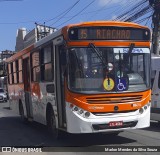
[{"x": 50, "y": 88}]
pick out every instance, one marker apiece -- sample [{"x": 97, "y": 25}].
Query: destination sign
[{"x": 109, "y": 33}]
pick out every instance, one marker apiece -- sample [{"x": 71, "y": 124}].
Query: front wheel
[{"x": 51, "y": 123}]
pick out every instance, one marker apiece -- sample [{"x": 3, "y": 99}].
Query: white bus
[{"x": 155, "y": 81}]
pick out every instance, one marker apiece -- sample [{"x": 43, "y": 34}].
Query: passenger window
[
  {"x": 46, "y": 64},
  {"x": 20, "y": 76},
  {"x": 35, "y": 74}
]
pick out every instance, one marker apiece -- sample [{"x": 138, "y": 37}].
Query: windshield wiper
[{"x": 98, "y": 53}]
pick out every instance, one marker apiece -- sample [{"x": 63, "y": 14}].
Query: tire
[{"x": 51, "y": 123}]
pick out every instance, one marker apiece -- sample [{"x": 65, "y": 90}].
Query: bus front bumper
[{"x": 76, "y": 123}]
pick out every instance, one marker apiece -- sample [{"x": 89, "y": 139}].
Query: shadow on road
[
  {"x": 13, "y": 132},
  {"x": 86, "y": 140},
  {"x": 154, "y": 126}
]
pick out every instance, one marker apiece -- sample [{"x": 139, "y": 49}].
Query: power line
[
  {"x": 143, "y": 19},
  {"x": 21, "y": 22},
  {"x": 64, "y": 12},
  {"x": 148, "y": 20},
  {"x": 118, "y": 9},
  {"x": 130, "y": 11},
  {"x": 121, "y": 9},
  {"x": 77, "y": 13},
  {"x": 139, "y": 14},
  {"x": 100, "y": 9}
]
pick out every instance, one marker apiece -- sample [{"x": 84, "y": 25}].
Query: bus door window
[
  {"x": 46, "y": 64},
  {"x": 73, "y": 59},
  {"x": 61, "y": 74},
  {"x": 63, "y": 61}
]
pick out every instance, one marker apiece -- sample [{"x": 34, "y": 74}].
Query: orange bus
[{"x": 84, "y": 78}]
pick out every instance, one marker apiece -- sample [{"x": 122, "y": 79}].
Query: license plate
[{"x": 116, "y": 123}]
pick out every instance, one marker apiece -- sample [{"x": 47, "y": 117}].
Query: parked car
[{"x": 3, "y": 95}]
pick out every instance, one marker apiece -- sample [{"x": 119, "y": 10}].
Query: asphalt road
[{"x": 15, "y": 133}]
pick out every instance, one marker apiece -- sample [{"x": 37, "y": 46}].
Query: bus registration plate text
[{"x": 116, "y": 123}]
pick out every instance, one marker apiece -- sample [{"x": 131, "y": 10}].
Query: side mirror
[{"x": 50, "y": 88}]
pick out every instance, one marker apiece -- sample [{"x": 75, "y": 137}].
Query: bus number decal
[{"x": 83, "y": 34}]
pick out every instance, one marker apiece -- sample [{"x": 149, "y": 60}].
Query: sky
[{"x": 15, "y": 14}]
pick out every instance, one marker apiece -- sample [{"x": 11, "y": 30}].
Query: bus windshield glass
[{"x": 103, "y": 69}]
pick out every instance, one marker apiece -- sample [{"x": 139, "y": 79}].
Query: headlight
[
  {"x": 80, "y": 111},
  {"x": 145, "y": 107},
  {"x": 87, "y": 114},
  {"x": 141, "y": 111}
]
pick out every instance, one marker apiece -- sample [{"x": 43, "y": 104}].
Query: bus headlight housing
[
  {"x": 80, "y": 111},
  {"x": 87, "y": 114},
  {"x": 144, "y": 108}
]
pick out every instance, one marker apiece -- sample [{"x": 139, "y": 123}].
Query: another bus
[
  {"x": 155, "y": 81},
  {"x": 90, "y": 77}
]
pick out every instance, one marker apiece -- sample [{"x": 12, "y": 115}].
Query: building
[{"x": 3, "y": 56}]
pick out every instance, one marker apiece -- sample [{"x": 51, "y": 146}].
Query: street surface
[{"x": 13, "y": 132}]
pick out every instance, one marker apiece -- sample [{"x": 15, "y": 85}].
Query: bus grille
[
  {"x": 112, "y": 112},
  {"x": 113, "y": 99}
]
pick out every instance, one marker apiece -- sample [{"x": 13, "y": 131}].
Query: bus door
[
  {"x": 155, "y": 110},
  {"x": 59, "y": 81},
  {"x": 27, "y": 89}
]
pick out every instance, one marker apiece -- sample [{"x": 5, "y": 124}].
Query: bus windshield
[{"x": 105, "y": 69}]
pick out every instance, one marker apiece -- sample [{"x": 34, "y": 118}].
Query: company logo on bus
[
  {"x": 95, "y": 107},
  {"x": 116, "y": 108}
]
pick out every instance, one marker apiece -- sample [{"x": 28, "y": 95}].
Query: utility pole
[{"x": 156, "y": 26}]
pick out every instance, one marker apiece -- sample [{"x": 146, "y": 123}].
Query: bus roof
[
  {"x": 107, "y": 23},
  {"x": 64, "y": 30}
]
